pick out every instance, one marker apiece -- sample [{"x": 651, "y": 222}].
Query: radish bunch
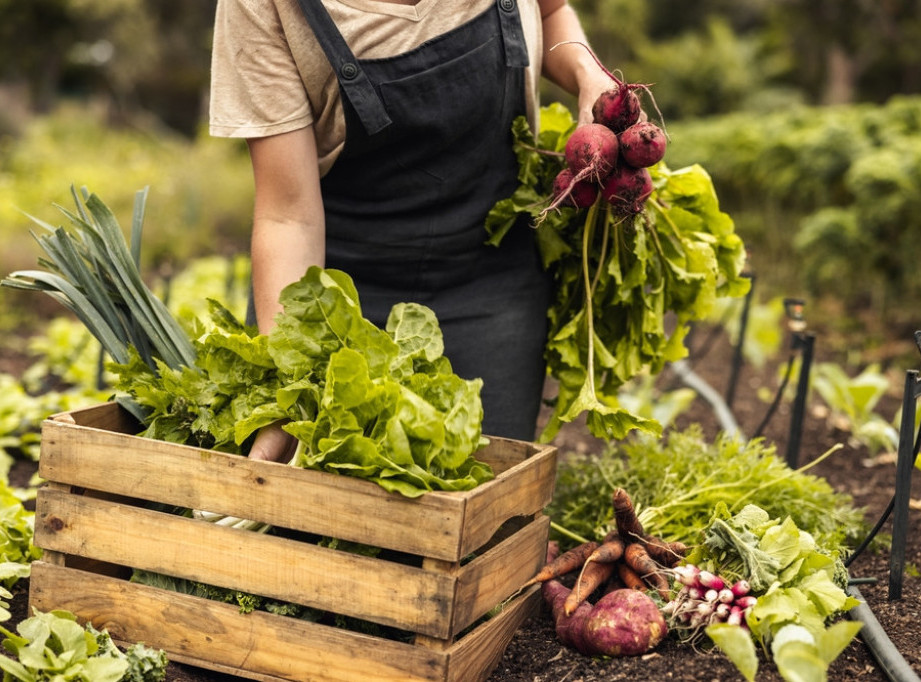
[
  {"x": 704, "y": 599},
  {"x": 611, "y": 155}
]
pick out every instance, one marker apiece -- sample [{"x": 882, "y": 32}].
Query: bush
[
  {"x": 200, "y": 192},
  {"x": 827, "y": 199}
]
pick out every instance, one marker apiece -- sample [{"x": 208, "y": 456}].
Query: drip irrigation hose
[
  {"x": 895, "y": 667},
  {"x": 882, "y": 519},
  {"x": 777, "y": 397},
  {"x": 707, "y": 392}
]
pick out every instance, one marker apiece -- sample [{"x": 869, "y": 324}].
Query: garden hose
[{"x": 892, "y": 663}]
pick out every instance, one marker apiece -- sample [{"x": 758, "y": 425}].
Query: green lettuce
[{"x": 381, "y": 404}]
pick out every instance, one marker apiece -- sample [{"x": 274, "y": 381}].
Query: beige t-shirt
[{"x": 269, "y": 74}]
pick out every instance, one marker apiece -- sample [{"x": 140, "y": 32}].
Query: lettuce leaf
[{"x": 382, "y": 404}]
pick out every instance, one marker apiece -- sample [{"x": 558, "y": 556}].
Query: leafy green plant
[
  {"x": 382, "y": 404},
  {"x": 799, "y": 590},
  {"x": 53, "y": 646},
  {"x": 16, "y": 530},
  {"x": 826, "y": 198},
  {"x": 618, "y": 278},
  {"x": 642, "y": 397},
  {"x": 764, "y": 331},
  {"x": 852, "y": 402},
  {"x": 676, "y": 483}
]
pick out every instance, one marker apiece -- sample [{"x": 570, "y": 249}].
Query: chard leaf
[
  {"x": 800, "y": 662},
  {"x": 783, "y": 543},
  {"x": 836, "y": 638},
  {"x": 738, "y": 646}
]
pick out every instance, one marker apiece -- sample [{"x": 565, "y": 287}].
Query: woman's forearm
[
  {"x": 288, "y": 223},
  {"x": 568, "y": 60}
]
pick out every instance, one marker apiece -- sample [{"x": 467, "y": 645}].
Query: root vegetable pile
[{"x": 625, "y": 620}]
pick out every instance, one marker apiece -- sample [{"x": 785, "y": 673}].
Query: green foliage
[
  {"x": 827, "y": 198},
  {"x": 798, "y": 588},
  {"x": 852, "y": 401},
  {"x": 16, "y": 549},
  {"x": 617, "y": 278},
  {"x": 195, "y": 211},
  {"x": 764, "y": 331},
  {"x": 53, "y": 646},
  {"x": 381, "y": 404},
  {"x": 677, "y": 482}
]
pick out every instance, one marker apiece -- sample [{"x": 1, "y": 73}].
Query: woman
[{"x": 379, "y": 133}]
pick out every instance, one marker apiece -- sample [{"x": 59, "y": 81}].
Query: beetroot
[
  {"x": 581, "y": 194},
  {"x": 625, "y": 622},
  {"x": 617, "y": 108},
  {"x": 642, "y": 144},
  {"x": 627, "y": 189},
  {"x": 591, "y": 151}
]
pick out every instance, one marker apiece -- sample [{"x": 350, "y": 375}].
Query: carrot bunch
[{"x": 626, "y": 557}]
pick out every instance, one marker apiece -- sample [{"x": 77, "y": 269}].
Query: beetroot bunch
[{"x": 611, "y": 155}]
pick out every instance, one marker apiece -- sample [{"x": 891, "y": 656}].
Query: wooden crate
[{"x": 452, "y": 557}]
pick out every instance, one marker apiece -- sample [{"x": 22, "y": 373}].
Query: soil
[{"x": 535, "y": 655}]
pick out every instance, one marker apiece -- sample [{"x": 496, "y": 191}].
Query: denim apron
[{"x": 427, "y": 154}]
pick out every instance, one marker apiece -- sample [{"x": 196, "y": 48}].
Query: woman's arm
[
  {"x": 289, "y": 235},
  {"x": 572, "y": 67},
  {"x": 288, "y": 224}
]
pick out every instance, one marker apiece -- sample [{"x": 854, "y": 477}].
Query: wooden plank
[
  {"x": 446, "y": 525},
  {"x": 108, "y": 416},
  {"x": 525, "y": 489},
  {"x": 280, "y": 495},
  {"x": 405, "y": 597},
  {"x": 492, "y": 578},
  {"x": 217, "y": 636},
  {"x": 476, "y": 655}
]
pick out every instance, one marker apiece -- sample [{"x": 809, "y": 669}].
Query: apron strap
[
  {"x": 516, "y": 50},
  {"x": 352, "y": 79}
]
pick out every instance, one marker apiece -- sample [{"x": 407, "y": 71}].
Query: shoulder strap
[{"x": 352, "y": 79}]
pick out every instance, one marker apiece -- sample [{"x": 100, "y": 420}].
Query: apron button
[
  {"x": 507, "y": 5},
  {"x": 349, "y": 71}
]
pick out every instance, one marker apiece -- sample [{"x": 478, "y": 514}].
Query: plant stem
[
  {"x": 587, "y": 233},
  {"x": 565, "y": 532}
]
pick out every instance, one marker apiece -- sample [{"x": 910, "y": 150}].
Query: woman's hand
[
  {"x": 568, "y": 60},
  {"x": 273, "y": 444}
]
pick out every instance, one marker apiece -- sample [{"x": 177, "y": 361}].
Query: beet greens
[{"x": 618, "y": 273}]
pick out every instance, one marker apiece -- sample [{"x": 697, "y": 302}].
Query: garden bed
[{"x": 535, "y": 655}]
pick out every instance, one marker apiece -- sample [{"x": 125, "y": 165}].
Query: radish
[
  {"x": 627, "y": 189},
  {"x": 642, "y": 144},
  {"x": 581, "y": 194}
]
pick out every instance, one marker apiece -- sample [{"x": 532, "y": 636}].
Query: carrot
[
  {"x": 667, "y": 554},
  {"x": 566, "y": 562},
  {"x": 630, "y": 578},
  {"x": 608, "y": 551},
  {"x": 637, "y": 558},
  {"x": 592, "y": 576},
  {"x": 628, "y": 525}
]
